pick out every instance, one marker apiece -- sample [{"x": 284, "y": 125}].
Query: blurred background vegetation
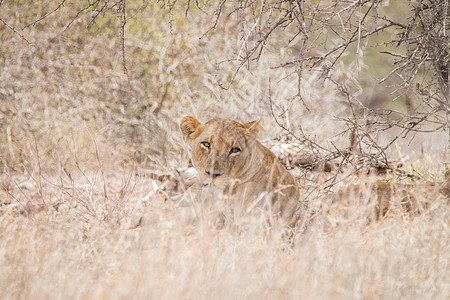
[{"x": 116, "y": 76}]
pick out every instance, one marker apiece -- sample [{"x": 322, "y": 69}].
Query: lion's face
[{"x": 219, "y": 148}]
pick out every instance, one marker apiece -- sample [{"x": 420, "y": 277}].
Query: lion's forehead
[{"x": 223, "y": 132}]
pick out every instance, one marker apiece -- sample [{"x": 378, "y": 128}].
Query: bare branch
[
  {"x": 255, "y": 47},
  {"x": 219, "y": 13},
  {"x": 18, "y": 33},
  {"x": 320, "y": 58},
  {"x": 122, "y": 38},
  {"x": 45, "y": 16}
]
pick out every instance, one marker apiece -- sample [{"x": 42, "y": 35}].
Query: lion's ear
[
  {"x": 252, "y": 129},
  {"x": 188, "y": 126}
]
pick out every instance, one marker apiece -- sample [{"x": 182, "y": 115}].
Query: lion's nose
[{"x": 213, "y": 174}]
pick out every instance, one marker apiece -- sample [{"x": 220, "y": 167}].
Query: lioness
[{"x": 227, "y": 156}]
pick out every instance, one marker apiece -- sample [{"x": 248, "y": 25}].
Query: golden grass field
[{"x": 88, "y": 162}]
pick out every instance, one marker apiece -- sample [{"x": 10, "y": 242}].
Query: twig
[
  {"x": 305, "y": 141},
  {"x": 18, "y": 33},
  {"x": 253, "y": 50},
  {"x": 219, "y": 13},
  {"x": 198, "y": 6},
  {"x": 410, "y": 25},
  {"x": 122, "y": 40},
  {"x": 98, "y": 12},
  {"x": 320, "y": 58},
  {"x": 334, "y": 182},
  {"x": 105, "y": 184},
  {"x": 78, "y": 14},
  {"x": 45, "y": 16}
]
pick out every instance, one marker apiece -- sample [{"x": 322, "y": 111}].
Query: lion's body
[{"x": 227, "y": 156}]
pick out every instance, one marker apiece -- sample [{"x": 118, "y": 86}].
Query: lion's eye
[
  {"x": 206, "y": 145},
  {"x": 235, "y": 150}
]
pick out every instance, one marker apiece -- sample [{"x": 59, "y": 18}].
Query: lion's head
[{"x": 219, "y": 148}]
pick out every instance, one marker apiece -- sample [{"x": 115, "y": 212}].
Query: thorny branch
[
  {"x": 425, "y": 39},
  {"x": 319, "y": 35}
]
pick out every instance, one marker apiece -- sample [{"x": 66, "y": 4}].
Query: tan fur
[{"x": 237, "y": 164}]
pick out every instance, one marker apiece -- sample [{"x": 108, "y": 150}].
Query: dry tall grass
[
  {"x": 83, "y": 215},
  {"x": 53, "y": 248}
]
